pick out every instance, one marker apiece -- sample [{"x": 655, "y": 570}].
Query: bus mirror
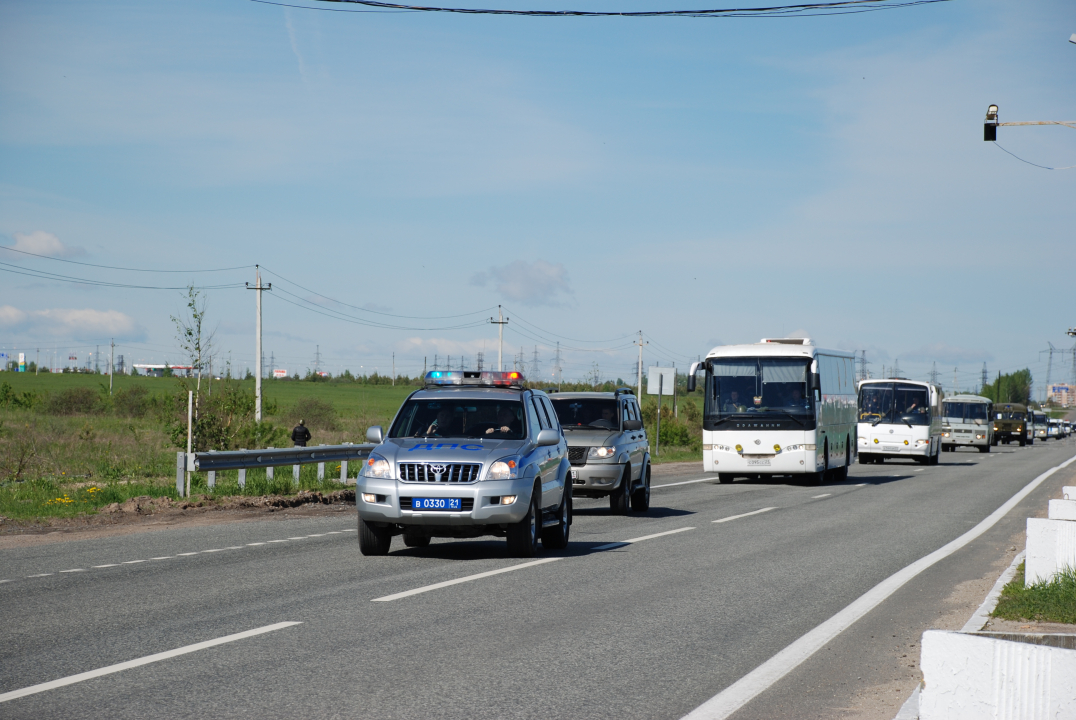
[
  {"x": 816, "y": 382},
  {"x": 691, "y": 376}
]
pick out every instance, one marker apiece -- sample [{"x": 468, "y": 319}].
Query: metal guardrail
[{"x": 268, "y": 458}]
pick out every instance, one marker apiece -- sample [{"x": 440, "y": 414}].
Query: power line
[
  {"x": 367, "y": 310},
  {"x": 43, "y": 275},
  {"x": 358, "y": 321},
  {"x": 1044, "y": 167},
  {"x": 113, "y": 267},
  {"x": 846, "y": 7}
]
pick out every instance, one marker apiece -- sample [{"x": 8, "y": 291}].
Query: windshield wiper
[{"x": 793, "y": 417}]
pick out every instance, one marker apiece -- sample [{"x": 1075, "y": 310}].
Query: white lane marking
[
  {"x": 919, "y": 470},
  {"x": 747, "y": 688},
  {"x": 737, "y": 517},
  {"x": 469, "y": 578},
  {"x": 862, "y": 485},
  {"x": 4, "y": 581},
  {"x": 72, "y": 679},
  {"x": 298, "y": 538},
  {"x": 686, "y": 482},
  {"x": 169, "y": 557},
  {"x": 350, "y": 530},
  {"x": 816, "y": 497},
  {"x": 622, "y": 543}
]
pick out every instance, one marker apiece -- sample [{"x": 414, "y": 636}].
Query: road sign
[{"x": 668, "y": 381}]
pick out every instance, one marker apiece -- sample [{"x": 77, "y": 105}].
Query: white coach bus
[
  {"x": 899, "y": 418},
  {"x": 778, "y": 407}
]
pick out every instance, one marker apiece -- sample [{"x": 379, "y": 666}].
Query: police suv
[{"x": 470, "y": 454}]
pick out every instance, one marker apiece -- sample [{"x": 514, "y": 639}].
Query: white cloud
[
  {"x": 530, "y": 282},
  {"x": 73, "y": 323},
  {"x": 40, "y": 242}
]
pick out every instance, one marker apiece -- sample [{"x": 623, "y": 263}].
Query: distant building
[
  {"x": 158, "y": 370},
  {"x": 1062, "y": 393}
]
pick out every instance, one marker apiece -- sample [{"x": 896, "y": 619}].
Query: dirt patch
[{"x": 145, "y": 513}]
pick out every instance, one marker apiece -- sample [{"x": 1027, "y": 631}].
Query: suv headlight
[
  {"x": 377, "y": 467},
  {"x": 507, "y": 468},
  {"x": 601, "y": 452}
]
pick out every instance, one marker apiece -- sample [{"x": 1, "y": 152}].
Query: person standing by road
[{"x": 300, "y": 435}]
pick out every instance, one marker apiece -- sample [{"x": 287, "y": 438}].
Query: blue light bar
[{"x": 474, "y": 378}]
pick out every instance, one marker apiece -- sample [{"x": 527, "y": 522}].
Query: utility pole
[
  {"x": 954, "y": 380},
  {"x": 272, "y": 364},
  {"x": 393, "y": 369},
  {"x": 317, "y": 359},
  {"x": 982, "y": 383},
  {"x": 500, "y": 322},
  {"x": 37, "y": 365},
  {"x": 111, "y": 365},
  {"x": 534, "y": 364},
  {"x": 97, "y": 361},
  {"x": 434, "y": 362},
  {"x": 558, "y": 371},
  {"x": 481, "y": 361},
  {"x": 639, "y": 383},
  {"x": 934, "y": 373},
  {"x": 258, "y": 287}
]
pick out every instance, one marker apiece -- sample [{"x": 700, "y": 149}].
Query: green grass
[
  {"x": 1053, "y": 601},
  {"x": 675, "y": 454}
]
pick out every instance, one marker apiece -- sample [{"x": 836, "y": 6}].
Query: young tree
[{"x": 194, "y": 339}]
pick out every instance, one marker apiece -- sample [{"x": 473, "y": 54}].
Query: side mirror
[
  {"x": 375, "y": 435},
  {"x": 548, "y": 437},
  {"x": 816, "y": 386},
  {"x": 633, "y": 424},
  {"x": 691, "y": 376}
]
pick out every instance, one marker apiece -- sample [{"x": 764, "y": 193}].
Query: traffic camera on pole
[{"x": 990, "y": 125}]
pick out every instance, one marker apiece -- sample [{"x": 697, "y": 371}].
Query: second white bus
[{"x": 899, "y": 418}]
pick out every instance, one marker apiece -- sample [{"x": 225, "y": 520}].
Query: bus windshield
[
  {"x": 758, "y": 386},
  {"x": 894, "y": 403},
  {"x": 967, "y": 412}
]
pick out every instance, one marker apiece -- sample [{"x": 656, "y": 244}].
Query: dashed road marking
[
  {"x": 132, "y": 562},
  {"x": 685, "y": 482},
  {"x": 108, "y": 670},
  {"x": 737, "y": 517},
  {"x": 816, "y": 497},
  {"x": 39, "y": 575},
  {"x": 75, "y": 570},
  {"x": 469, "y": 578}
]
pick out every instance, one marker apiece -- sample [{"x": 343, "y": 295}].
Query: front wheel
[
  {"x": 373, "y": 540},
  {"x": 556, "y": 536},
  {"x": 640, "y": 499},
  {"x": 523, "y": 536},
  {"x": 724, "y": 478},
  {"x": 984, "y": 448},
  {"x": 620, "y": 499}
]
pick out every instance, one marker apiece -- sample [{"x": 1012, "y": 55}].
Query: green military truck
[{"x": 1010, "y": 423}]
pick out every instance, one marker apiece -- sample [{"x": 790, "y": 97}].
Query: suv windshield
[
  {"x": 967, "y": 412},
  {"x": 448, "y": 418},
  {"x": 587, "y": 413},
  {"x": 894, "y": 403},
  {"x": 758, "y": 386}
]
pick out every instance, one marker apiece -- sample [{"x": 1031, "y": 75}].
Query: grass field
[{"x": 56, "y": 464}]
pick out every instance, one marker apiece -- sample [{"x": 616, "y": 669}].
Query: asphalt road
[{"x": 649, "y": 629}]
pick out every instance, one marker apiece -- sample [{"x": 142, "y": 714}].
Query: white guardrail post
[
  {"x": 242, "y": 460},
  {"x": 181, "y": 467},
  {"x": 243, "y": 474},
  {"x": 269, "y": 470},
  {"x": 321, "y": 467}
]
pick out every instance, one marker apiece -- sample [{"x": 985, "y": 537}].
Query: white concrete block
[
  {"x": 970, "y": 677},
  {"x": 1068, "y": 492},
  {"x": 1051, "y": 546},
  {"x": 1062, "y": 510}
]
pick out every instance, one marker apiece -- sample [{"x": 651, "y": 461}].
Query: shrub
[
  {"x": 319, "y": 414},
  {"x": 132, "y": 402},
  {"x": 74, "y": 401}
]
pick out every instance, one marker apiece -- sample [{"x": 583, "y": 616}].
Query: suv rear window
[{"x": 596, "y": 413}]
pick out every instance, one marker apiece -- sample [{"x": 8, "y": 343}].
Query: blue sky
[{"x": 704, "y": 181}]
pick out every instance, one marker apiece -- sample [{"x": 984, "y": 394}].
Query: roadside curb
[{"x": 910, "y": 709}]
